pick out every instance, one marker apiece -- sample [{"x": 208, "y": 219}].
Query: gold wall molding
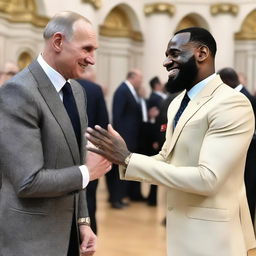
[
  {"x": 118, "y": 24},
  {"x": 187, "y": 22},
  {"x": 95, "y": 3},
  {"x": 24, "y": 60},
  {"x": 159, "y": 8},
  {"x": 22, "y": 11},
  {"x": 227, "y": 8},
  {"x": 248, "y": 28}
]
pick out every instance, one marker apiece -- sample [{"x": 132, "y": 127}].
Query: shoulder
[
  {"x": 122, "y": 89},
  {"x": 225, "y": 94},
  {"x": 88, "y": 84},
  {"x": 228, "y": 107}
]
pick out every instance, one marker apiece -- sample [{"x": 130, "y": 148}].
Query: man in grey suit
[{"x": 43, "y": 208}]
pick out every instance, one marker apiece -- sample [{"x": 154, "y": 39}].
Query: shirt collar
[
  {"x": 161, "y": 94},
  {"x": 196, "y": 89},
  {"x": 239, "y": 87},
  {"x": 55, "y": 77},
  {"x": 132, "y": 89}
]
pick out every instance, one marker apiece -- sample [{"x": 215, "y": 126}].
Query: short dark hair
[
  {"x": 155, "y": 80},
  {"x": 229, "y": 77},
  {"x": 202, "y": 36}
]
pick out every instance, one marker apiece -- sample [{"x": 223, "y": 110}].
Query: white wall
[{"x": 121, "y": 54}]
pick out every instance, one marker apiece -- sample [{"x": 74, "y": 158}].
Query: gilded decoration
[
  {"x": 187, "y": 22},
  {"x": 96, "y": 3},
  {"x": 224, "y": 8},
  {"x": 159, "y": 8},
  {"x": 248, "y": 29},
  {"x": 118, "y": 24},
  {"x": 21, "y": 11},
  {"x": 24, "y": 60}
]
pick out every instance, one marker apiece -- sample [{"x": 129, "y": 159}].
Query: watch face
[{"x": 84, "y": 221}]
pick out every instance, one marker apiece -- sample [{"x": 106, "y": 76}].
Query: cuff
[{"x": 85, "y": 175}]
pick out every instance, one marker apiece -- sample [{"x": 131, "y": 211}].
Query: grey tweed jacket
[{"x": 39, "y": 163}]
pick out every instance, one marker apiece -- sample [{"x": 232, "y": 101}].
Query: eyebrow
[{"x": 171, "y": 50}]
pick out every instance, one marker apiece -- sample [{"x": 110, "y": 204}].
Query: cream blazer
[{"x": 202, "y": 166}]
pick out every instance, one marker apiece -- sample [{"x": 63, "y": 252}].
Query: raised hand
[
  {"x": 97, "y": 165},
  {"x": 108, "y": 143}
]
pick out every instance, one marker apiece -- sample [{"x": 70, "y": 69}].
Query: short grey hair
[{"x": 63, "y": 22}]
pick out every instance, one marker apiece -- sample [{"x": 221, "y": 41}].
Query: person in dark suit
[
  {"x": 43, "y": 209},
  {"x": 127, "y": 120},
  {"x": 97, "y": 114},
  {"x": 154, "y": 101},
  {"x": 157, "y": 95},
  {"x": 230, "y": 77}
]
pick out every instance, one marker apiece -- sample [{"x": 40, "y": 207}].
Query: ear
[
  {"x": 57, "y": 41},
  {"x": 202, "y": 53}
]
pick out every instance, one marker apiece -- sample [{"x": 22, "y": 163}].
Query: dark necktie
[
  {"x": 182, "y": 107},
  {"x": 70, "y": 105}
]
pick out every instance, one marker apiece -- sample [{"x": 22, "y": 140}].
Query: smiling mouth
[{"x": 173, "y": 72}]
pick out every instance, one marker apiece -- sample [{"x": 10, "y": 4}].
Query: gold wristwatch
[
  {"x": 84, "y": 221},
  {"x": 127, "y": 159}
]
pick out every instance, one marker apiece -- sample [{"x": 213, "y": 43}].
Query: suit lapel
[
  {"x": 56, "y": 107},
  {"x": 194, "y": 105}
]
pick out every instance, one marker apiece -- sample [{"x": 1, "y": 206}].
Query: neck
[{"x": 204, "y": 74}]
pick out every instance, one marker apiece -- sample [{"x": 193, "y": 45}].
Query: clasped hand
[{"x": 108, "y": 143}]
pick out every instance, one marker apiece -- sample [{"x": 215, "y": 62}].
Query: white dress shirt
[
  {"x": 139, "y": 100},
  {"x": 161, "y": 94},
  {"x": 58, "y": 82},
  {"x": 196, "y": 89},
  {"x": 132, "y": 90}
]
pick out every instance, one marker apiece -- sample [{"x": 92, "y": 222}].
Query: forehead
[
  {"x": 179, "y": 40},
  {"x": 83, "y": 31}
]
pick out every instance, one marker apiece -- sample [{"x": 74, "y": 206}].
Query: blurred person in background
[
  {"x": 127, "y": 120},
  {"x": 155, "y": 100},
  {"x": 242, "y": 78},
  {"x": 97, "y": 114},
  {"x": 10, "y": 69}
]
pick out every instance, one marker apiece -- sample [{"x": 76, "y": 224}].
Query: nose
[
  {"x": 90, "y": 60},
  {"x": 167, "y": 62}
]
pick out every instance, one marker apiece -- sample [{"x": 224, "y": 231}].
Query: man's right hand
[{"x": 97, "y": 165}]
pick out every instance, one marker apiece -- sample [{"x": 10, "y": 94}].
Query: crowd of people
[{"x": 194, "y": 135}]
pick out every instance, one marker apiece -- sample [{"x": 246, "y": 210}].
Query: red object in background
[{"x": 163, "y": 128}]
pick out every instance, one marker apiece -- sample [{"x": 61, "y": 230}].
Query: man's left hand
[
  {"x": 88, "y": 245},
  {"x": 108, "y": 143}
]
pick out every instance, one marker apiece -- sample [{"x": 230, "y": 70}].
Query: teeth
[{"x": 82, "y": 65}]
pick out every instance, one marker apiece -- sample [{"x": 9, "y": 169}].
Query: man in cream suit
[
  {"x": 202, "y": 160},
  {"x": 43, "y": 208}
]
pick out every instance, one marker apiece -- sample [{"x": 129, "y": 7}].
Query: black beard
[{"x": 185, "y": 79}]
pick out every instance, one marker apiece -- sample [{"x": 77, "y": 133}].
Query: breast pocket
[{"x": 208, "y": 214}]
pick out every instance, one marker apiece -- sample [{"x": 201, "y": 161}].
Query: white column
[
  {"x": 156, "y": 37},
  {"x": 223, "y": 32},
  {"x": 115, "y": 59}
]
